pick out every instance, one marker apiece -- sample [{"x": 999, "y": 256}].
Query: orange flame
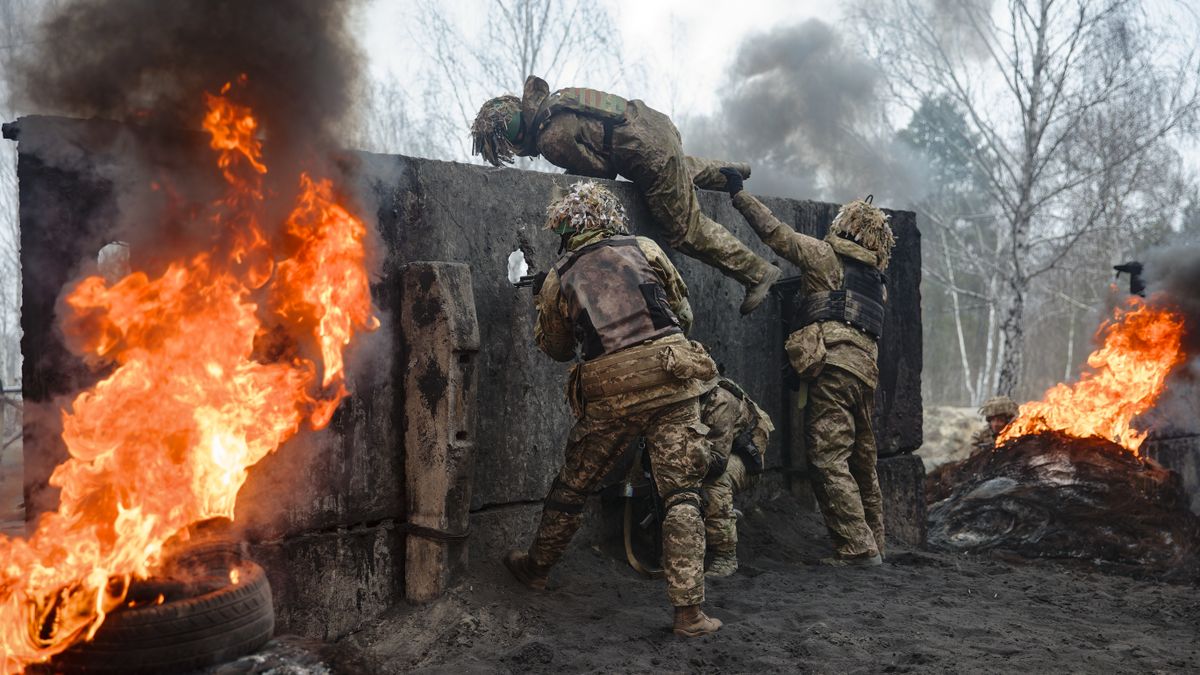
[
  {"x": 1124, "y": 378},
  {"x": 167, "y": 438}
]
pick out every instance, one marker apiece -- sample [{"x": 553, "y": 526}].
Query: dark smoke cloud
[
  {"x": 1173, "y": 278},
  {"x": 150, "y": 63},
  {"x": 151, "y": 60},
  {"x": 806, "y": 107}
]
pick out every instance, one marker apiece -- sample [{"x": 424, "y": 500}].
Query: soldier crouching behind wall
[
  {"x": 999, "y": 412},
  {"x": 737, "y": 433},
  {"x": 624, "y": 303},
  {"x": 596, "y": 134},
  {"x": 833, "y": 351}
]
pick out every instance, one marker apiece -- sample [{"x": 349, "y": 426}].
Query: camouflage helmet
[
  {"x": 998, "y": 405},
  {"x": 495, "y": 130},
  {"x": 868, "y": 226},
  {"x": 587, "y": 205}
]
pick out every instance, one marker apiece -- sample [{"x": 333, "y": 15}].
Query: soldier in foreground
[
  {"x": 624, "y": 304},
  {"x": 592, "y": 133},
  {"x": 737, "y": 433},
  {"x": 999, "y": 411},
  {"x": 833, "y": 351}
]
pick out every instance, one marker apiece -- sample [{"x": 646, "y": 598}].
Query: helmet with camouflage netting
[
  {"x": 867, "y": 225},
  {"x": 496, "y": 128},
  {"x": 587, "y": 205},
  {"x": 999, "y": 406}
]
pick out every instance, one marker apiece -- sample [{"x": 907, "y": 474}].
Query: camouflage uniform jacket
[
  {"x": 820, "y": 270},
  {"x": 575, "y": 141},
  {"x": 555, "y": 335},
  {"x": 983, "y": 439}
]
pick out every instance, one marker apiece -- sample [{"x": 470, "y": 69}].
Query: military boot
[
  {"x": 758, "y": 292},
  {"x": 724, "y": 563},
  {"x": 865, "y": 560},
  {"x": 526, "y": 570},
  {"x": 691, "y": 621}
]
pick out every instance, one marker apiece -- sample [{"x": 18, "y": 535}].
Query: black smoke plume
[
  {"x": 1173, "y": 279},
  {"x": 150, "y": 61},
  {"x": 806, "y": 107}
]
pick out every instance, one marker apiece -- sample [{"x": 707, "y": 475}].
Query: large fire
[
  {"x": 1124, "y": 378},
  {"x": 193, "y": 401}
]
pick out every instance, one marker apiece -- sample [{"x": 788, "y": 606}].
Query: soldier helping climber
[
  {"x": 592, "y": 133},
  {"x": 833, "y": 349}
]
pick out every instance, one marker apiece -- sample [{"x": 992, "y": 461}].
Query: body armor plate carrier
[
  {"x": 614, "y": 298},
  {"x": 606, "y": 107},
  {"x": 859, "y": 302}
]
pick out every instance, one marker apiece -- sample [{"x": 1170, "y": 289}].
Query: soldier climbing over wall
[
  {"x": 838, "y": 320},
  {"x": 623, "y": 304},
  {"x": 596, "y": 134},
  {"x": 737, "y": 433}
]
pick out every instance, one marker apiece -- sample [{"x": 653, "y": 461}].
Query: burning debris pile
[
  {"x": 1066, "y": 479},
  {"x": 227, "y": 336},
  {"x": 1050, "y": 495},
  {"x": 216, "y": 360}
]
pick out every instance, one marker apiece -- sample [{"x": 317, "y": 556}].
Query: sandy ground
[
  {"x": 920, "y": 612},
  {"x": 947, "y": 434}
]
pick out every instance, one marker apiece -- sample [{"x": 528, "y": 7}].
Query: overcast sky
[{"x": 682, "y": 46}]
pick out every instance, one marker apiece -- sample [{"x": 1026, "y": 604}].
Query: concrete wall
[{"x": 333, "y": 543}]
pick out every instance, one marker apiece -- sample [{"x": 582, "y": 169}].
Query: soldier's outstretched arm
[
  {"x": 799, "y": 249},
  {"x": 553, "y": 332},
  {"x": 672, "y": 282}
]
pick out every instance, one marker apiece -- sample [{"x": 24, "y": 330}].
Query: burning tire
[{"x": 181, "y": 635}]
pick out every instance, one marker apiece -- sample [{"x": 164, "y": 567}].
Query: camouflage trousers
[
  {"x": 675, "y": 441},
  {"x": 720, "y": 522},
  {"x": 648, "y": 151},
  {"x": 842, "y": 457}
]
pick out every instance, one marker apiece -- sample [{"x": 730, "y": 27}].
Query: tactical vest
[
  {"x": 613, "y": 297},
  {"x": 606, "y": 107},
  {"x": 859, "y": 302}
]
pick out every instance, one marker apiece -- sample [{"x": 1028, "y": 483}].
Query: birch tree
[{"x": 1042, "y": 84}]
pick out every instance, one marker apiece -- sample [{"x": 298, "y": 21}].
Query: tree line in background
[{"x": 1049, "y": 132}]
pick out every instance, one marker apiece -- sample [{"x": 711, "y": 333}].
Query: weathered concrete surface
[
  {"x": 325, "y": 584},
  {"x": 441, "y": 342},
  {"x": 1181, "y": 455},
  {"x": 305, "y": 506},
  {"x": 902, "y": 481},
  {"x": 446, "y": 211}
]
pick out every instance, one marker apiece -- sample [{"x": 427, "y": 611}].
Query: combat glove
[
  {"x": 538, "y": 280},
  {"x": 733, "y": 180}
]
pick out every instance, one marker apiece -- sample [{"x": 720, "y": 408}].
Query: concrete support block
[
  {"x": 326, "y": 584},
  {"x": 902, "y": 480},
  {"x": 440, "y": 335}
]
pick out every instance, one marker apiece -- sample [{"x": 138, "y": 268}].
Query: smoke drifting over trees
[{"x": 808, "y": 109}]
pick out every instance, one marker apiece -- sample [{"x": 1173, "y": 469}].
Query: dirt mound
[
  {"x": 1054, "y": 496},
  {"x": 919, "y": 612},
  {"x": 948, "y": 431}
]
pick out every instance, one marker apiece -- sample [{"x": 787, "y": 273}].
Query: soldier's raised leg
[{"x": 593, "y": 448}]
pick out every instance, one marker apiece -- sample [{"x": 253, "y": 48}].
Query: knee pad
[
  {"x": 565, "y": 499},
  {"x": 683, "y": 497}
]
